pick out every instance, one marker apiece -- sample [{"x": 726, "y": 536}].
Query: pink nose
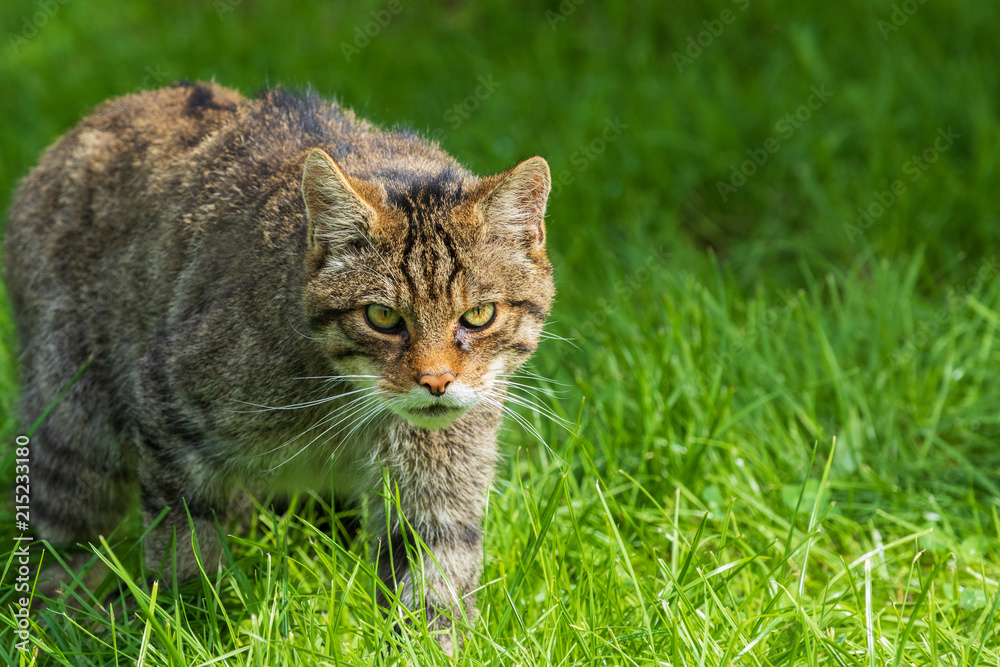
[{"x": 437, "y": 384}]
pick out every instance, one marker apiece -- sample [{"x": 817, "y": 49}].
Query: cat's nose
[{"x": 437, "y": 384}]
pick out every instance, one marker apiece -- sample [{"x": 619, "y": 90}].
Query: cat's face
[{"x": 429, "y": 297}]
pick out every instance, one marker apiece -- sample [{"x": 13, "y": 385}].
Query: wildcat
[{"x": 271, "y": 295}]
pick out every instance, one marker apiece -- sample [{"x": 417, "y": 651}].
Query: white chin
[{"x": 428, "y": 421}]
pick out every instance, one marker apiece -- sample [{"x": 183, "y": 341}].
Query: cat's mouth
[
  {"x": 420, "y": 409},
  {"x": 437, "y": 410},
  {"x": 431, "y": 416}
]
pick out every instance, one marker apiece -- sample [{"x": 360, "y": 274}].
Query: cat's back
[
  {"x": 127, "y": 161},
  {"x": 149, "y": 172},
  {"x": 102, "y": 185},
  {"x": 117, "y": 147},
  {"x": 151, "y": 183}
]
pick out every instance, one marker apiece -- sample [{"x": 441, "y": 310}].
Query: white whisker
[
  {"x": 364, "y": 405},
  {"x": 332, "y": 415},
  {"x": 382, "y": 409},
  {"x": 551, "y": 393},
  {"x": 330, "y": 378},
  {"x": 525, "y": 373},
  {"x": 364, "y": 419},
  {"x": 298, "y": 406},
  {"x": 302, "y": 334},
  {"x": 520, "y": 419},
  {"x": 532, "y": 401},
  {"x": 552, "y": 336},
  {"x": 542, "y": 410}
]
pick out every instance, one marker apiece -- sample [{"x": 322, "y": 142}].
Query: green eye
[
  {"x": 382, "y": 318},
  {"x": 479, "y": 317}
]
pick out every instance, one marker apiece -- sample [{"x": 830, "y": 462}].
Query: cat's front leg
[
  {"x": 441, "y": 479},
  {"x": 193, "y": 509}
]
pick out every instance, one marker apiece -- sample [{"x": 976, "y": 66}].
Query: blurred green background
[
  {"x": 767, "y": 223},
  {"x": 559, "y": 73},
  {"x": 755, "y": 134}
]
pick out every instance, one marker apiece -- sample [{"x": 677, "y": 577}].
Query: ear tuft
[
  {"x": 337, "y": 213},
  {"x": 516, "y": 207}
]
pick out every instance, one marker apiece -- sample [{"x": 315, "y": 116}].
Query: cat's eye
[
  {"x": 479, "y": 317},
  {"x": 383, "y": 318}
]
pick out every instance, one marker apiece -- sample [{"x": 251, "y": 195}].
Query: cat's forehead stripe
[
  {"x": 411, "y": 191},
  {"x": 430, "y": 260}
]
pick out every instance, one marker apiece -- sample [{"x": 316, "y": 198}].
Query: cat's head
[{"x": 428, "y": 290}]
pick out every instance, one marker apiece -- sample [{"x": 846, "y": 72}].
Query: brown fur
[{"x": 208, "y": 252}]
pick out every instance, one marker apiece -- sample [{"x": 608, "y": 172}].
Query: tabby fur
[{"x": 208, "y": 258}]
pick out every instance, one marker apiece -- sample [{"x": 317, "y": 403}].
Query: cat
[{"x": 271, "y": 295}]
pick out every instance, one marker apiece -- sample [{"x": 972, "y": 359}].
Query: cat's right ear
[
  {"x": 516, "y": 207},
  {"x": 338, "y": 215}
]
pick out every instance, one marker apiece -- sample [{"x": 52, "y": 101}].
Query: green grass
[{"x": 785, "y": 442}]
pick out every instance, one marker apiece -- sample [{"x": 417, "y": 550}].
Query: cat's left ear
[
  {"x": 516, "y": 207},
  {"x": 337, "y": 214}
]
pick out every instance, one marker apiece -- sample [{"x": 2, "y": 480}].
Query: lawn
[{"x": 775, "y": 231}]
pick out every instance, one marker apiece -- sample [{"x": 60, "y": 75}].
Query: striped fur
[{"x": 212, "y": 257}]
